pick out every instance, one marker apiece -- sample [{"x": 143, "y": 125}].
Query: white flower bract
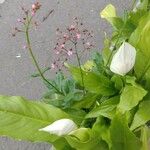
[
  {"x": 124, "y": 59},
  {"x": 60, "y": 127}
]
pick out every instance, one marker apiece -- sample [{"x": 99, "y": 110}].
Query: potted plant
[{"x": 104, "y": 103}]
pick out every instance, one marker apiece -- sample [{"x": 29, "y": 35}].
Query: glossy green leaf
[
  {"x": 117, "y": 81},
  {"x": 140, "y": 39},
  {"x": 77, "y": 115},
  {"x": 108, "y": 12},
  {"x": 86, "y": 102},
  {"x": 130, "y": 97},
  {"x": 88, "y": 66},
  {"x": 141, "y": 65},
  {"x": 98, "y": 61},
  {"x": 62, "y": 144},
  {"x": 53, "y": 99},
  {"x": 121, "y": 136},
  {"x": 140, "y": 36},
  {"x": 93, "y": 82},
  {"x": 21, "y": 119},
  {"x": 106, "y": 109},
  {"x": 101, "y": 128},
  {"x": 144, "y": 138},
  {"x": 142, "y": 116},
  {"x": 86, "y": 139}
]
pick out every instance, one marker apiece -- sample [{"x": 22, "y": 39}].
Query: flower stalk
[
  {"x": 33, "y": 57},
  {"x": 79, "y": 64}
]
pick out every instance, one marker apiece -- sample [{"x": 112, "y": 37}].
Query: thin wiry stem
[
  {"x": 79, "y": 64},
  {"x": 33, "y": 57}
]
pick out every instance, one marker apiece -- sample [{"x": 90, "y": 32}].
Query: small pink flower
[
  {"x": 53, "y": 66},
  {"x": 88, "y": 44},
  {"x": 57, "y": 52},
  {"x": 33, "y": 6},
  {"x": 78, "y": 36},
  {"x": 62, "y": 46},
  {"x": 72, "y": 27},
  {"x": 24, "y": 46},
  {"x": 66, "y": 36},
  {"x": 33, "y": 13},
  {"x": 69, "y": 53},
  {"x": 19, "y": 20}
]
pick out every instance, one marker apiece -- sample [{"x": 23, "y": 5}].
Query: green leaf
[
  {"x": 94, "y": 83},
  {"x": 141, "y": 34},
  {"x": 88, "y": 66},
  {"x": 142, "y": 116},
  {"x": 108, "y": 12},
  {"x": 101, "y": 128},
  {"x": 136, "y": 16},
  {"x": 106, "y": 109},
  {"x": 141, "y": 65},
  {"x": 99, "y": 63},
  {"x": 76, "y": 114},
  {"x": 130, "y": 97},
  {"x": 121, "y": 136},
  {"x": 72, "y": 98},
  {"x": 64, "y": 85},
  {"x": 139, "y": 12},
  {"x": 144, "y": 138},
  {"x": 117, "y": 81},
  {"x": 140, "y": 39},
  {"x": 62, "y": 144},
  {"x": 85, "y": 139},
  {"x": 54, "y": 99},
  {"x": 87, "y": 101},
  {"x": 21, "y": 119}
]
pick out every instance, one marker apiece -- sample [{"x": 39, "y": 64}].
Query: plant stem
[
  {"x": 117, "y": 41},
  {"x": 34, "y": 59},
  {"x": 79, "y": 64},
  {"x": 108, "y": 61}
]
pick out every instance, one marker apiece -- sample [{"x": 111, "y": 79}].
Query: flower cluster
[
  {"x": 72, "y": 42},
  {"x": 36, "y": 6},
  {"x": 27, "y": 19}
]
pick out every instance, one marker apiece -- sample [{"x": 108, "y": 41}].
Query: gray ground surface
[{"x": 14, "y": 72}]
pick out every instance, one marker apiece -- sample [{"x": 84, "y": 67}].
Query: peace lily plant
[{"x": 104, "y": 104}]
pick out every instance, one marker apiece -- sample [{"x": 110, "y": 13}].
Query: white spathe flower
[
  {"x": 2, "y": 1},
  {"x": 60, "y": 127},
  {"x": 124, "y": 59}
]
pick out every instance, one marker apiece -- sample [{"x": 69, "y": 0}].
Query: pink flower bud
[
  {"x": 69, "y": 53},
  {"x": 62, "y": 46},
  {"x": 33, "y": 6},
  {"x": 53, "y": 66},
  {"x": 72, "y": 27},
  {"x": 66, "y": 36},
  {"x": 78, "y": 36},
  {"x": 19, "y": 20},
  {"x": 33, "y": 13},
  {"x": 88, "y": 44},
  {"x": 57, "y": 52},
  {"x": 24, "y": 47}
]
